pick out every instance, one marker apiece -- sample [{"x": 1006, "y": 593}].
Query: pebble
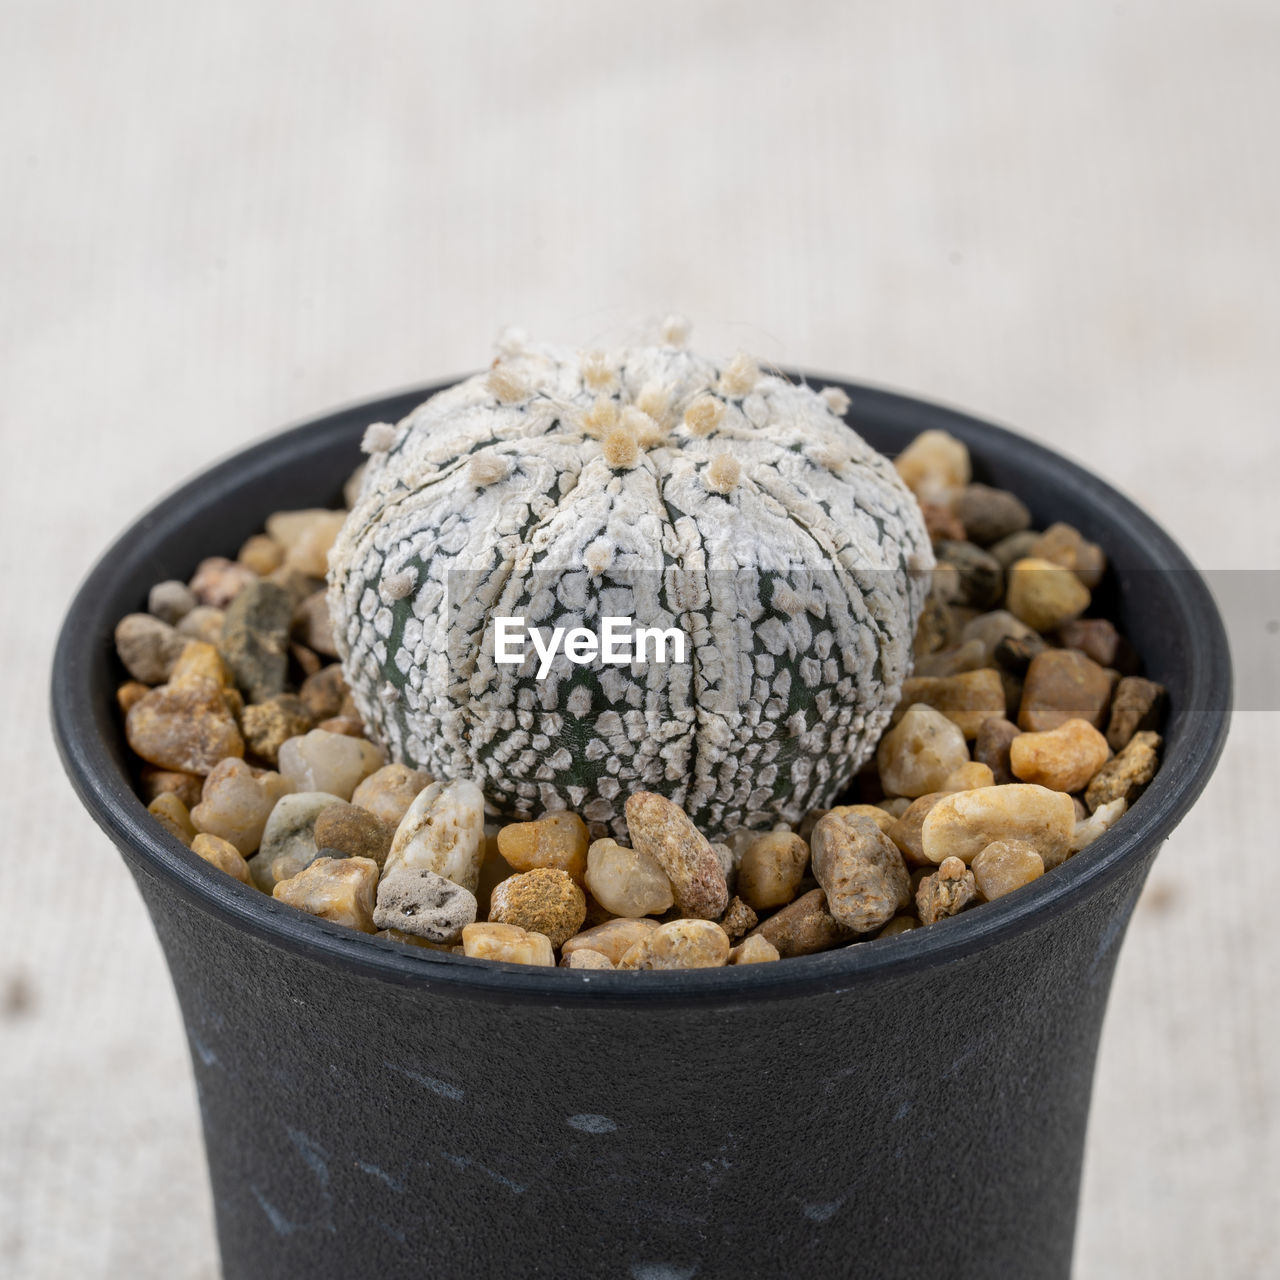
[
  {"x": 1014, "y": 654},
  {"x": 170, "y": 601},
  {"x": 311, "y": 625},
  {"x": 899, "y": 924},
  {"x": 344, "y": 726},
  {"x": 129, "y": 693},
  {"x": 1062, "y": 759},
  {"x": 217, "y": 581},
  {"x": 905, "y": 832},
  {"x": 306, "y": 537},
  {"x": 966, "y": 699},
  {"x": 545, "y": 900},
  {"x": 1138, "y": 705},
  {"x": 1066, "y": 545},
  {"x": 388, "y": 792},
  {"x": 613, "y": 938},
  {"x": 148, "y": 647},
  {"x": 1061, "y": 685},
  {"x": 200, "y": 660},
  {"x": 1015, "y": 547},
  {"x": 153, "y": 782},
  {"x": 990, "y": 514},
  {"x": 626, "y": 882},
  {"x": 803, "y": 927},
  {"x": 223, "y": 855},
  {"x": 261, "y": 553},
  {"x": 880, "y": 816},
  {"x": 979, "y": 580},
  {"x": 1099, "y": 640},
  {"x": 255, "y": 639},
  {"x": 935, "y": 466},
  {"x": 416, "y": 901},
  {"x": 188, "y": 728},
  {"x": 296, "y": 584},
  {"x": 992, "y": 745},
  {"x": 894, "y": 806},
  {"x": 1127, "y": 775},
  {"x": 771, "y": 869},
  {"x": 936, "y": 629},
  {"x": 508, "y": 943},
  {"x": 680, "y": 944},
  {"x": 268, "y": 725},
  {"x": 559, "y": 839},
  {"x": 203, "y": 623},
  {"x": 585, "y": 958},
  {"x": 172, "y": 815},
  {"x": 321, "y": 761},
  {"x": 443, "y": 831},
  {"x": 861, "y": 872},
  {"x": 965, "y": 822},
  {"x": 324, "y": 694},
  {"x": 738, "y": 919},
  {"x": 754, "y": 950},
  {"x": 1005, "y": 865},
  {"x": 288, "y": 840},
  {"x": 1101, "y": 820},
  {"x": 992, "y": 627},
  {"x": 354, "y": 832},
  {"x": 1044, "y": 595},
  {"x": 412, "y": 940},
  {"x": 968, "y": 656},
  {"x": 941, "y": 523},
  {"x": 663, "y": 830},
  {"x": 236, "y": 802},
  {"x": 919, "y": 752},
  {"x": 969, "y": 777},
  {"x": 949, "y": 890},
  {"x": 304, "y": 660},
  {"x": 338, "y": 889}
]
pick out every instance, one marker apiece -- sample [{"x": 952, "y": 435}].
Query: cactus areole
[{"x": 729, "y": 508}]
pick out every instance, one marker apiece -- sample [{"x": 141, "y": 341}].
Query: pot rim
[{"x": 1191, "y": 753}]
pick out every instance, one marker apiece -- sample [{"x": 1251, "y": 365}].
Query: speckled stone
[
  {"x": 148, "y": 647},
  {"x": 288, "y": 840},
  {"x": 861, "y": 872},
  {"x": 414, "y": 900},
  {"x": 946, "y": 892},
  {"x": 1138, "y": 706},
  {"x": 544, "y": 900},
  {"x": 1127, "y": 775},
  {"x": 663, "y": 830},
  {"x": 803, "y": 927},
  {"x": 443, "y": 831},
  {"x": 217, "y": 581},
  {"x": 268, "y": 725},
  {"x": 188, "y": 729},
  {"x": 355, "y": 833}
]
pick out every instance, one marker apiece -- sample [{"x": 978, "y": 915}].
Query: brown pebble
[
  {"x": 664, "y": 831},
  {"x": 1062, "y": 759},
  {"x": 172, "y": 815},
  {"x": 754, "y": 950},
  {"x": 217, "y": 581},
  {"x": 311, "y": 625},
  {"x": 1043, "y": 594},
  {"x": 267, "y": 726},
  {"x": 153, "y": 782},
  {"x": 585, "y": 958},
  {"x": 388, "y": 792},
  {"x": 324, "y": 693},
  {"x": 188, "y": 729},
  {"x": 612, "y": 938},
  {"x": 559, "y": 839},
  {"x": 936, "y": 628},
  {"x": 1066, "y": 545},
  {"x": 966, "y": 699},
  {"x": 129, "y": 693},
  {"x": 1138, "y": 705},
  {"x": 342, "y": 890},
  {"x": 1003, "y": 866},
  {"x": 861, "y": 872},
  {"x": 941, "y": 523},
  {"x": 979, "y": 581},
  {"x": 304, "y": 662},
  {"x": 771, "y": 869},
  {"x": 1125, "y": 777},
  {"x": 1013, "y": 654},
  {"x": 991, "y": 747},
  {"x": 738, "y": 919},
  {"x": 262, "y": 554},
  {"x": 990, "y": 514},
  {"x": 803, "y": 927},
  {"x": 1098, "y": 639},
  {"x": 347, "y": 726},
  {"x": 680, "y": 944},
  {"x": 1063, "y": 684},
  {"x": 222, "y": 854},
  {"x": 905, "y": 831},
  {"x": 545, "y": 900},
  {"x": 354, "y": 832},
  {"x": 949, "y": 890}
]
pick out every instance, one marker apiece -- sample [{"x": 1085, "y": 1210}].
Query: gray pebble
[
  {"x": 415, "y": 900},
  {"x": 148, "y": 647},
  {"x": 170, "y": 601}
]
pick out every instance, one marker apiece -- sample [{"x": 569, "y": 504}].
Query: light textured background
[{"x": 219, "y": 218}]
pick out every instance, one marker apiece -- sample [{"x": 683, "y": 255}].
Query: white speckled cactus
[{"x": 652, "y": 483}]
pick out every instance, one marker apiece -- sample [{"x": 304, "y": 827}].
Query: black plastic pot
[{"x": 915, "y": 1106}]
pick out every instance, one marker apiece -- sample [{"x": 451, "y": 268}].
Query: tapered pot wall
[
  {"x": 911, "y": 1107},
  {"x": 928, "y": 1124}
]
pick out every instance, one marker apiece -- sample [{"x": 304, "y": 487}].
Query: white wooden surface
[{"x": 219, "y": 218}]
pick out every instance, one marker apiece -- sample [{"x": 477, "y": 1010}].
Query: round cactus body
[{"x": 563, "y": 488}]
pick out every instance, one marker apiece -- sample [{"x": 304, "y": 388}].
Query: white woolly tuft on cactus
[{"x": 563, "y": 486}]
